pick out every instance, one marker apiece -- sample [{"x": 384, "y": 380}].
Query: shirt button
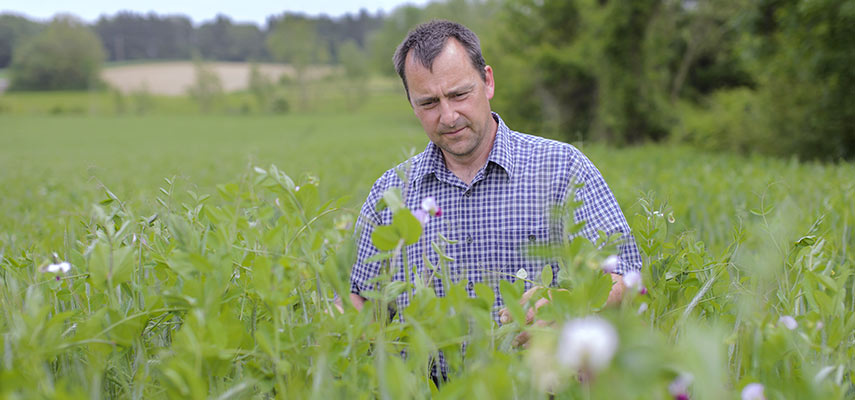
[
  {"x": 469, "y": 239},
  {"x": 471, "y": 285},
  {"x": 468, "y": 193}
]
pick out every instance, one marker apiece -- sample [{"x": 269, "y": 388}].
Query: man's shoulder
[
  {"x": 543, "y": 152},
  {"x": 525, "y": 141}
]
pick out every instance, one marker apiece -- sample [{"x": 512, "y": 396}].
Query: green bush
[
  {"x": 207, "y": 90},
  {"x": 732, "y": 120},
  {"x": 66, "y": 56}
]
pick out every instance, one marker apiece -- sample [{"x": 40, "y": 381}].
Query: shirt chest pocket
[{"x": 515, "y": 246}]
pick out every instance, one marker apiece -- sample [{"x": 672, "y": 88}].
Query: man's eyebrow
[
  {"x": 460, "y": 90},
  {"x": 426, "y": 99},
  {"x": 450, "y": 93}
]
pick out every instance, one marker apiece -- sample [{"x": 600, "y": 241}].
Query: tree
[
  {"x": 131, "y": 36},
  {"x": 293, "y": 40},
  {"x": 261, "y": 87},
  {"x": 803, "y": 55},
  {"x": 223, "y": 40},
  {"x": 66, "y": 56},
  {"x": 356, "y": 72},
  {"x": 207, "y": 90},
  {"x": 13, "y": 30}
]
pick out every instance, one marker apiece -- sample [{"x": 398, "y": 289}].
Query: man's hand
[
  {"x": 505, "y": 314},
  {"x": 358, "y": 301},
  {"x": 615, "y": 296}
]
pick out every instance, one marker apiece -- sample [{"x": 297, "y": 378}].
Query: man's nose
[{"x": 447, "y": 114}]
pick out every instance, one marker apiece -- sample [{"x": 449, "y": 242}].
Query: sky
[{"x": 199, "y": 10}]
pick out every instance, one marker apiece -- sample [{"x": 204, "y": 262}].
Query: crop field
[
  {"x": 188, "y": 256},
  {"x": 173, "y": 78}
]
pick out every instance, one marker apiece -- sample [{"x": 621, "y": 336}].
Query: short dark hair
[{"x": 427, "y": 41}]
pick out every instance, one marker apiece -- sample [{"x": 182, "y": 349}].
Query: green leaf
[
  {"x": 404, "y": 227},
  {"x": 485, "y": 293},
  {"x": 392, "y": 198},
  {"x": 408, "y": 225},
  {"x": 511, "y": 297},
  {"x": 385, "y": 238},
  {"x": 805, "y": 241},
  {"x": 546, "y": 276}
]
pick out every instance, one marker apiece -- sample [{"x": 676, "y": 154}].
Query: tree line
[
  {"x": 128, "y": 36},
  {"x": 766, "y": 76}
]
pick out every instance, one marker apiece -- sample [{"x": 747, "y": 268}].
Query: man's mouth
[{"x": 454, "y": 131}]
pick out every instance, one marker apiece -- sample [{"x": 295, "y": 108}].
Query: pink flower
[
  {"x": 679, "y": 387},
  {"x": 422, "y": 216},
  {"x": 429, "y": 205}
]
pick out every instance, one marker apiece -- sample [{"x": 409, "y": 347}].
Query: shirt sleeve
[
  {"x": 363, "y": 271},
  {"x": 601, "y": 212}
]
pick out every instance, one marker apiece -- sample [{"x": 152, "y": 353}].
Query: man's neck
[{"x": 467, "y": 167}]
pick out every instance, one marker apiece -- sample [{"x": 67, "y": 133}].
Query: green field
[{"x": 230, "y": 296}]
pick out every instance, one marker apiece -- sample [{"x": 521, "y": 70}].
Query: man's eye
[{"x": 460, "y": 95}]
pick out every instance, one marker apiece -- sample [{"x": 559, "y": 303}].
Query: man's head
[
  {"x": 449, "y": 88},
  {"x": 427, "y": 40}
]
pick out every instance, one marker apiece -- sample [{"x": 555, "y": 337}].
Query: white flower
[
  {"x": 753, "y": 391},
  {"x": 541, "y": 360},
  {"x": 642, "y": 308},
  {"x": 522, "y": 273},
  {"x": 430, "y": 206},
  {"x": 260, "y": 170},
  {"x": 610, "y": 264},
  {"x": 587, "y": 344},
  {"x": 62, "y": 267},
  {"x": 788, "y": 322},
  {"x": 632, "y": 280},
  {"x": 296, "y": 188}
]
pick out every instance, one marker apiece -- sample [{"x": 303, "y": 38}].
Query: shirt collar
[
  {"x": 502, "y": 152},
  {"x": 431, "y": 161}
]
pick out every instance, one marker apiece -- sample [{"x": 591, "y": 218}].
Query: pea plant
[{"x": 233, "y": 295}]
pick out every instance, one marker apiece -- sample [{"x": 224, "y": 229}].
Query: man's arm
[
  {"x": 616, "y": 294},
  {"x": 358, "y": 301}
]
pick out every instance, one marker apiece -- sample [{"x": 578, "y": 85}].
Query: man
[{"x": 495, "y": 187}]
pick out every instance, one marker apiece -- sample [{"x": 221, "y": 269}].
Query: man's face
[{"x": 453, "y": 102}]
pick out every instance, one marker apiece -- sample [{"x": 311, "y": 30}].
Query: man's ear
[{"x": 489, "y": 83}]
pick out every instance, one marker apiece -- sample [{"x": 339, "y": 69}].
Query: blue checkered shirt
[{"x": 507, "y": 207}]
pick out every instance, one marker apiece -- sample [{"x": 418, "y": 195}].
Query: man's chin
[{"x": 457, "y": 151}]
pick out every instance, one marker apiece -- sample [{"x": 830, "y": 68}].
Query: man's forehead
[{"x": 451, "y": 48}]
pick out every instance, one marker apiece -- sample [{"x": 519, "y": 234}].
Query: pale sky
[{"x": 198, "y": 10}]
